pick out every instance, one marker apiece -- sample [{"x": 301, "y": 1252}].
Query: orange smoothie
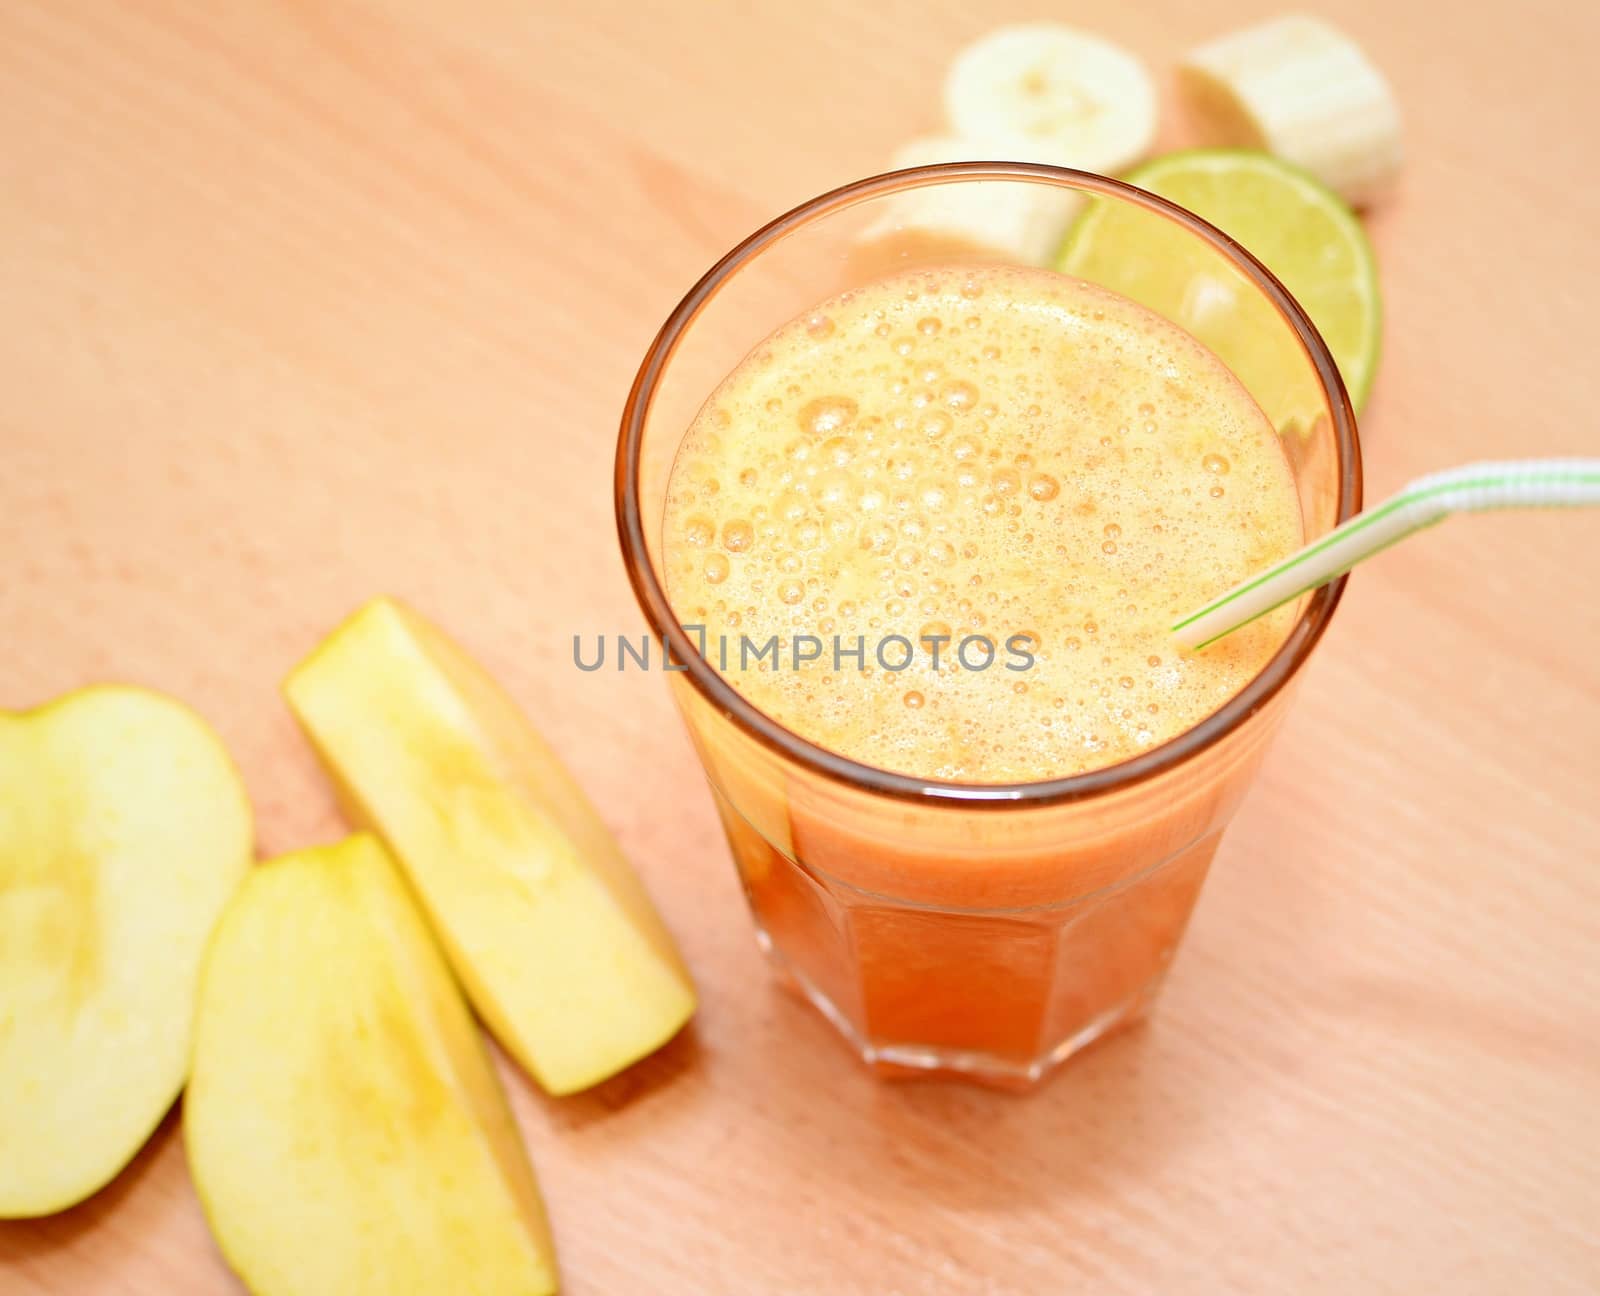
[
  {"x": 1003, "y": 457},
  {"x": 967, "y": 505}
]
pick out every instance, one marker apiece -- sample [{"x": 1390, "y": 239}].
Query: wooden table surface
[{"x": 303, "y": 302}]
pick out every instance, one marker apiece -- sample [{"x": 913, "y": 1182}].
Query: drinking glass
[{"x": 987, "y": 931}]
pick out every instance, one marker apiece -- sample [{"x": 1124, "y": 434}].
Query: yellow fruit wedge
[
  {"x": 124, "y": 829},
  {"x": 539, "y": 913},
  {"x": 345, "y": 1129}
]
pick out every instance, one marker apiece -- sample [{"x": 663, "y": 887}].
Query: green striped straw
[{"x": 1471, "y": 488}]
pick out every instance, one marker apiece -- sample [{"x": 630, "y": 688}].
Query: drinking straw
[{"x": 1471, "y": 488}]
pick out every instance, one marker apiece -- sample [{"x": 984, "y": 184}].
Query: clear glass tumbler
[{"x": 986, "y": 931}]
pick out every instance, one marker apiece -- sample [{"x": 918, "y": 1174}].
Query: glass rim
[{"x": 650, "y": 591}]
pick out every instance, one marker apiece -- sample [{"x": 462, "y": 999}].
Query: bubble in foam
[
  {"x": 716, "y": 568},
  {"x": 1215, "y": 463},
  {"x": 699, "y": 531},
  {"x": 833, "y": 486},
  {"x": 913, "y": 699},
  {"x": 1043, "y": 487},
  {"x": 877, "y": 537},
  {"x": 826, "y": 415},
  {"x": 837, "y": 450},
  {"x": 791, "y": 591},
  {"x": 791, "y": 506},
  {"x": 738, "y": 535},
  {"x": 959, "y": 395},
  {"x": 819, "y": 327}
]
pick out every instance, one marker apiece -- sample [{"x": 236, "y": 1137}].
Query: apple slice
[
  {"x": 545, "y": 923},
  {"x": 124, "y": 829},
  {"x": 345, "y": 1128}
]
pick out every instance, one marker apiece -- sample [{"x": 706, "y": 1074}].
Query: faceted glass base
[
  {"x": 999, "y": 997},
  {"x": 892, "y": 1061}
]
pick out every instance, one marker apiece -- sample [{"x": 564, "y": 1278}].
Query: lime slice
[{"x": 1298, "y": 229}]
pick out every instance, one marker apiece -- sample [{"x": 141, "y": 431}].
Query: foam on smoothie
[{"x": 992, "y": 452}]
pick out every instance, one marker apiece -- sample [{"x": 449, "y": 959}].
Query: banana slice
[
  {"x": 1303, "y": 90},
  {"x": 1091, "y": 104},
  {"x": 1019, "y": 222}
]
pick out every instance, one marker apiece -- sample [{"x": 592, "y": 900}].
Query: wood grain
[{"x": 304, "y": 302}]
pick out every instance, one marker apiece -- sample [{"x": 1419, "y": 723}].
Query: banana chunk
[
  {"x": 1303, "y": 90},
  {"x": 1090, "y": 104},
  {"x": 1019, "y": 222}
]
